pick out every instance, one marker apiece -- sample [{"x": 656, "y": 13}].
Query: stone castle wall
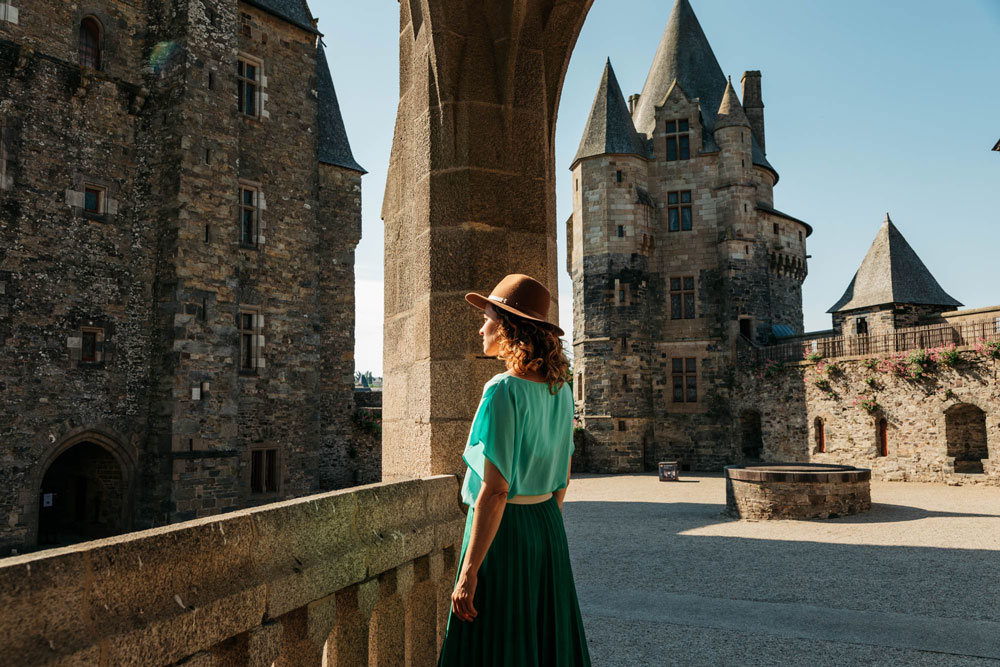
[
  {"x": 161, "y": 275},
  {"x": 926, "y": 418}
]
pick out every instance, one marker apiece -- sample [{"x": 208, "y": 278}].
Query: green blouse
[{"x": 525, "y": 431}]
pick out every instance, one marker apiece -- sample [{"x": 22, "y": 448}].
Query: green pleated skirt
[{"x": 527, "y": 611}]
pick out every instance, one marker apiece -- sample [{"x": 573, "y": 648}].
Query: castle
[
  {"x": 675, "y": 251},
  {"x": 688, "y": 303},
  {"x": 179, "y": 208}
]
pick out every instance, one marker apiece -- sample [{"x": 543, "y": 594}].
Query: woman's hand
[{"x": 461, "y": 597}]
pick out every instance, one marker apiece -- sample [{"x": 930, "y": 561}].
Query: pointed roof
[
  {"x": 295, "y": 12},
  {"x": 609, "y": 127},
  {"x": 997, "y": 146},
  {"x": 685, "y": 56},
  {"x": 334, "y": 148},
  {"x": 891, "y": 272},
  {"x": 731, "y": 112}
]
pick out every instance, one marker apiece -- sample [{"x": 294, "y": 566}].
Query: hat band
[{"x": 507, "y": 302}]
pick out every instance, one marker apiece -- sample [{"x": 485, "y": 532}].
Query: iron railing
[{"x": 901, "y": 340}]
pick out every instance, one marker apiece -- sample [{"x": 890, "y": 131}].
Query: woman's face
[{"x": 491, "y": 345}]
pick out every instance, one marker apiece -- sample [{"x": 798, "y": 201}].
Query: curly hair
[{"x": 526, "y": 345}]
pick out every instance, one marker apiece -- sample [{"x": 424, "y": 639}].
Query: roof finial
[{"x": 887, "y": 219}]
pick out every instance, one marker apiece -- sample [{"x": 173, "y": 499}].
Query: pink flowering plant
[
  {"x": 988, "y": 348},
  {"x": 812, "y": 355},
  {"x": 870, "y": 405},
  {"x": 947, "y": 355}
]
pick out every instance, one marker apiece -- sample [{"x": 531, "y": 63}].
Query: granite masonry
[
  {"x": 179, "y": 208},
  {"x": 676, "y": 252}
]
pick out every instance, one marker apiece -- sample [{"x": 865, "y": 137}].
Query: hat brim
[{"x": 480, "y": 302}]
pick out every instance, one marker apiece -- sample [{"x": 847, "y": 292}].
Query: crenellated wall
[{"x": 360, "y": 576}]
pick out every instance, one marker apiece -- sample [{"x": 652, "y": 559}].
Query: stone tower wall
[{"x": 163, "y": 272}]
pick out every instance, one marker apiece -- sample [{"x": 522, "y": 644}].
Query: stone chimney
[
  {"x": 753, "y": 105},
  {"x": 633, "y": 102}
]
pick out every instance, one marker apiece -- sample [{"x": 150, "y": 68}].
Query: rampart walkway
[{"x": 666, "y": 579}]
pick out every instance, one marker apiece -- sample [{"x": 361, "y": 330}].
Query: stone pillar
[
  {"x": 305, "y": 632},
  {"x": 348, "y": 645},
  {"x": 444, "y": 569},
  {"x": 421, "y": 616},
  {"x": 258, "y": 647},
  {"x": 387, "y": 643},
  {"x": 470, "y": 197}
]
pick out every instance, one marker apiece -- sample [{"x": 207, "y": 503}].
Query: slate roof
[
  {"x": 760, "y": 206},
  {"x": 891, "y": 272},
  {"x": 997, "y": 146},
  {"x": 295, "y": 12},
  {"x": 685, "y": 56},
  {"x": 731, "y": 112},
  {"x": 334, "y": 148},
  {"x": 609, "y": 126}
]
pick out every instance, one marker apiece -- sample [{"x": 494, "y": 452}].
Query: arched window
[
  {"x": 820, "y": 433},
  {"x": 883, "y": 437},
  {"x": 90, "y": 43}
]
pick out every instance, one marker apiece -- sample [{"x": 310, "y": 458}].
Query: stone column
[
  {"x": 348, "y": 645},
  {"x": 470, "y": 197},
  {"x": 305, "y": 632},
  {"x": 421, "y": 616},
  {"x": 386, "y": 643}
]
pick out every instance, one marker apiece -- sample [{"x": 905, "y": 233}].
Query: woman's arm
[
  {"x": 489, "y": 510},
  {"x": 561, "y": 493}
]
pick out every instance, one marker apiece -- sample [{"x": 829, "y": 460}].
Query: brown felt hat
[{"x": 521, "y": 295}]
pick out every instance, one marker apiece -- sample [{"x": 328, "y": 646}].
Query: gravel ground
[{"x": 661, "y": 570}]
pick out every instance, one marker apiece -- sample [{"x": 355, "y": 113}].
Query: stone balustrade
[{"x": 355, "y": 577}]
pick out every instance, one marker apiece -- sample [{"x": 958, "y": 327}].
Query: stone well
[{"x": 797, "y": 491}]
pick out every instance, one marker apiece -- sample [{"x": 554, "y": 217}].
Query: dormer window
[
  {"x": 678, "y": 143},
  {"x": 90, "y": 43}
]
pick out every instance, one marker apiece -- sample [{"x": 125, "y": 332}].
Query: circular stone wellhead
[{"x": 797, "y": 491}]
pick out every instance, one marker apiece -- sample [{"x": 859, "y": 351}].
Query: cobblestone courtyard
[{"x": 666, "y": 578}]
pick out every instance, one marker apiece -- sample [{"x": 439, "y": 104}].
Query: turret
[{"x": 733, "y": 136}]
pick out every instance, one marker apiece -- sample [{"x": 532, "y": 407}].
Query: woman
[{"x": 514, "y": 601}]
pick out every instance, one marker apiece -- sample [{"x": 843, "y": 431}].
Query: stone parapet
[{"x": 355, "y": 575}]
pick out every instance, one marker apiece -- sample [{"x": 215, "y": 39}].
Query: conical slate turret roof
[
  {"x": 685, "y": 56},
  {"x": 609, "y": 127},
  {"x": 334, "y": 148},
  {"x": 891, "y": 272},
  {"x": 731, "y": 112}
]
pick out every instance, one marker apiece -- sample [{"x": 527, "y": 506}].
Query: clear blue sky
[{"x": 869, "y": 107}]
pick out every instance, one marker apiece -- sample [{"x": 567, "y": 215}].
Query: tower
[{"x": 660, "y": 316}]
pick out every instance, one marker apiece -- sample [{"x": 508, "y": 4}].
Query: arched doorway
[
  {"x": 752, "y": 436},
  {"x": 83, "y": 495},
  {"x": 965, "y": 432}
]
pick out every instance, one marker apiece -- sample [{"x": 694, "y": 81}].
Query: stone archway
[
  {"x": 751, "y": 435},
  {"x": 469, "y": 197},
  {"x": 84, "y": 491},
  {"x": 965, "y": 433}
]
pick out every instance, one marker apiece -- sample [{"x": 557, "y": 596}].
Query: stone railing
[
  {"x": 349, "y": 578},
  {"x": 901, "y": 340}
]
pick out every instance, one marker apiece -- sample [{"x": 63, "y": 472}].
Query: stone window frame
[
  {"x": 5, "y": 138},
  {"x": 623, "y": 293},
  {"x": 620, "y": 231},
  {"x": 678, "y": 137},
  {"x": 75, "y": 343},
  {"x": 250, "y": 342},
  {"x": 9, "y": 13},
  {"x": 98, "y": 49},
  {"x": 260, "y": 205},
  {"x": 264, "y": 478},
  {"x": 622, "y": 426},
  {"x": 76, "y": 198},
  {"x": 260, "y": 92},
  {"x": 678, "y": 205},
  {"x": 681, "y": 294},
  {"x": 688, "y": 376},
  {"x": 579, "y": 386}
]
